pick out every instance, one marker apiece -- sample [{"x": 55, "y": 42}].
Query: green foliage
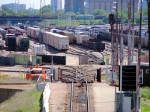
[
  {"x": 100, "y": 12},
  {"x": 145, "y": 100},
  {"x": 46, "y": 10},
  {"x": 69, "y": 13},
  {"x": 5, "y": 11},
  {"x": 25, "y": 101},
  {"x": 60, "y": 12}
]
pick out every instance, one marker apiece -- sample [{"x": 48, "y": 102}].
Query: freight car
[
  {"x": 22, "y": 42},
  {"x": 33, "y": 32},
  {"x": 3, "y": 33},
  {"x": 57, "y": 41},
  {"x": 79, "y": 37},
  {"x": 69, "y": 34},
  {"x": 19, "y": 29},
  {"x": 10, "y": 42},
  {"x": 65, "y": 33}
]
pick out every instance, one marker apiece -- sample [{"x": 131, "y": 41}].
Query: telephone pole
[
  {"x": 138, "y": 66},
  {"x": 132, "y": 30},
  {"x": 42, "y": 3},
  {"x": 129, "y": 32},
  {"x": 148, "y": 4},
  {"x": 116, "y": 45}
]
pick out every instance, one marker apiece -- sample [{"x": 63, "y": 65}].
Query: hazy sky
[{"x": 29, "y": 3}]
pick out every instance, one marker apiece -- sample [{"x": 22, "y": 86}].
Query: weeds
[
  {"x": 145, "y": 100},
  {"x": 3, "y": 77},
  {"x": 25, "y": 101}
]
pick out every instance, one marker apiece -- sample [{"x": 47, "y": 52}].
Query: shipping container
[
  {"x": 21, "y": 59},
  {"x": 146, "y": 43},
  {"x": 36, "y": 60},
  {"x": 39, "y": 49},
  {"x": 142, "y": 41},
  {"x": 7, "y": 61}
]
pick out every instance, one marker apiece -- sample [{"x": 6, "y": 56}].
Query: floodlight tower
[{"x": 42, "y": 3}]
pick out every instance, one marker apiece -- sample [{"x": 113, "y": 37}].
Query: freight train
[
  {"x": 59, "y": 42},
  {"x": 16, "y": 37},
  {"x": 135, "y": 32}
]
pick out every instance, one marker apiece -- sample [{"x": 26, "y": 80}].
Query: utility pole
[
  {"x": 42, "y": 3},
  {"x": 121, "y": 50},
  {"x": 148, "y": 4},
  {"x": 132, "y": 42},
  {"x": 116, "y": 45},
  {"x": 138, "y": 66},
  {"x": 129, "y": 31}
]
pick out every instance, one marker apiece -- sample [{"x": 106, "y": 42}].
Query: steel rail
[
  {"x": 87, "y": 97},
  {"x": 71, "y": 96}
]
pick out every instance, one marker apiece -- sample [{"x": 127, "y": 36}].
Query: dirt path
[{"x": 57, "y": 98}]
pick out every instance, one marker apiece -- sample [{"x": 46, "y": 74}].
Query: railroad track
[
  {"x": 79, "y": 97},
  {"x": 77, "y": 50},
  {"x": 75, "y": 74}
]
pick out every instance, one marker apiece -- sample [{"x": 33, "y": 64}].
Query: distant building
[
  {"x": 59, "y": 4},
  {"x": 74, "y": 6},
  {"x": 56, "y": 5},
  {"x": 15, "y": 7},
  {"x": 108, "y": 4},
  {"x": 144, "y": 4},
  {"x": 32, "y": 10}
]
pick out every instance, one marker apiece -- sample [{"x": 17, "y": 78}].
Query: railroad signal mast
[
  {"x": 112, "y": 22},
  {"x": 111, "y": 19},
  {"x": 42, "y": 3}
]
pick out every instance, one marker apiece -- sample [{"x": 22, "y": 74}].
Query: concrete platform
[
  {"x": 57, "y": 98},
  {"x": 103, "y": 97}
]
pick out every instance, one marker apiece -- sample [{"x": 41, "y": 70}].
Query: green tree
[
  {"x": 46, "y": 10},
  {"x": 100, "y": 12},
  {"x": 6, "y": 12}
]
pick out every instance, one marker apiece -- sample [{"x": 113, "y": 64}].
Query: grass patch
[
  {"x": 145, "y": 100},
  {"x": 3, "y": 77},
  {"x": 25, "y": 101}
]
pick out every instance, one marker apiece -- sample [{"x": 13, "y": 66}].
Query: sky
[{"x": 29, "y": 3}]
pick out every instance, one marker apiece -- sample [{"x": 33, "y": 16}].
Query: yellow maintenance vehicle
[{"x": 35, "y": 72}]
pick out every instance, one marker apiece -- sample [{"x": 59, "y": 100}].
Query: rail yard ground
[{"x": 100, "y": 96}]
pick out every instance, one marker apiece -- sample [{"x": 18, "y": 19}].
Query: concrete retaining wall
[
  {"x": 5, "y": 94},
  {"x": 45, "y": 100}
]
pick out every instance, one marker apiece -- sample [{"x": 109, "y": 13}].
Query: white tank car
[{"x": 57, "y": 41}]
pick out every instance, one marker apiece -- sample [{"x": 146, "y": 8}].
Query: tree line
[{"x": 47, "y": 10}]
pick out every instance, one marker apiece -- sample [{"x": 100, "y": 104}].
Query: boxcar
[{"x": 57, "y": 41}]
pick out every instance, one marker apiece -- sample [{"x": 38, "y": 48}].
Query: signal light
[{"x": 111, "y": 19}]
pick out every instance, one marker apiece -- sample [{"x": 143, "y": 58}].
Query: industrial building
[
  {"x": 108, "y": 4},
  {"x": 59, "y": 4},
  {"x": 15, "y": 7},
  {"x": 56, "y": 5},
  {"x": 74, "y": 6}
]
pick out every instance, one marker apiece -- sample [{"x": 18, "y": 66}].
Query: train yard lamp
[
  {"x": 148, "y": 4},
  {"x": 116, "y": 45}
]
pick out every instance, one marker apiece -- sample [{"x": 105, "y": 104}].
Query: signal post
[{"x": 112, "y": 22}]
